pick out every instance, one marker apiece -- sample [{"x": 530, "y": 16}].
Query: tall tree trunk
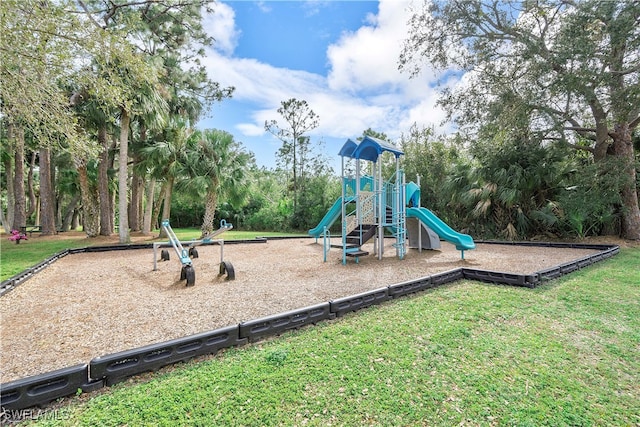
[
  {"x": 47, "y": 198},
  {"x": 75, "y": 220},
  {"x": 104, "y": 163},
  {"x": 158, "y": 204},
  {"x": 210, "y": 210},
  {"x": 54, "y": 191},
  {"x": 137, "y": 190},
  {"x": 148, "y": 210},
  {"x": 295, "y": 175},
  {"x": 7, "y": 222},
  {"x": 166, "y": 206},
  {"x": 16, "y": 134},
  {"x": 123, "y": 178},
  {"x": 90, "y": 201},
  {"x": 623, "y": 150},
  {"x": 67, "y": 216},
  {"x": 30, "y": 186}
]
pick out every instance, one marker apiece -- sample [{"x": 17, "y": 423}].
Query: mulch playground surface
[{"x": 92, "y": 304}]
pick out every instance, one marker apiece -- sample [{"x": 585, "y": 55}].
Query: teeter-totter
[{"x": 185, "y": 255}]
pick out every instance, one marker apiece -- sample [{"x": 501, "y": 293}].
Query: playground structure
[
  {"x": 369, "y": 205},
  {"x": 187, "y": 272}
]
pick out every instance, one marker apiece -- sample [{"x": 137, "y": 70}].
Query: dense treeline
[
  {"x": 541, "y": 78},
  {"x": 100, "y": 102}
]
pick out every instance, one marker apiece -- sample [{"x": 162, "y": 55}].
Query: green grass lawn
[{"x": 564, "y": 354}]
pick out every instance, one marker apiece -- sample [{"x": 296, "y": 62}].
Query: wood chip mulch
[{"x": 93, "y": 304}]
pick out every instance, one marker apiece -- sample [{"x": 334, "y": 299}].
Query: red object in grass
[{"x": 16, "y": 236}]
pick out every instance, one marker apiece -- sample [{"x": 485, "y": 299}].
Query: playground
[
  {"x": 89, "y": 304},
  {"x": 144, "y": 302}
]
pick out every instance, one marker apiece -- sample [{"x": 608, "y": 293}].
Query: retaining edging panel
[
  {"x": 344, "y": 305},
  {"x": 278, "y": 323},
  {"x": 409, "y": 287},
  {"x": 496, "y": 277},
  {"x": 117, "y": 367},
  {"x": 41, "y": 389},
  {"x": 447, "y": 277}
]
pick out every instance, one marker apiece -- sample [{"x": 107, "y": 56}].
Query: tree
[
  {"x": 433, "y": 158},
  {"x": 42, "y": 45},
  {"x": 166, "y": 158},
  {"x": 268, "y": 207},
  {"x": 563, "y": 72},
  {"x": 47, "y": 196},
  {"x": 96, "y": 119},
  {"x": 145, "y": 31},
  {"x": 122, "y": 56},
  {"x": 174, "y": 38},
  {"x": 300, "y": 119},
  {"x": 217, "y": 166},
  {"x": 16, "y": 140}
]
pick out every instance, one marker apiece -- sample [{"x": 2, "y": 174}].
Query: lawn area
[{"x": 564, "y": 354}]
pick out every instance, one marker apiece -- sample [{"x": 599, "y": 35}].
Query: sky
[{"x": 339, "y": 56}]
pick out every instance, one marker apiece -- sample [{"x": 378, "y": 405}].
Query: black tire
[
  {"x": 227, "y": 267},
  {"x": 183, "y": 272},
  {"x": 193, "y": 252},
  {"x": 231, "y": 272},
  {"x": 190, "y": 274},
  {"x": 164, "y": 255}
]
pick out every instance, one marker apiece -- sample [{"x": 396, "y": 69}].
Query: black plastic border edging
[
  {"x": 410, "y": 286},
  {"x": 116, "y": 367},
  {"x": 107, "y": 370},
  {"x": 162, "y": 245},
  {"x": 607, "y": 251},
  {"x": 496, "y": 277},
  {"x": 11, "y": 283},
  {"x": 278, "y": 323},
  {"x": 341, "y": 306},
  {"x": 42, "y": 389},
  {"x": 597, "y": 246}
]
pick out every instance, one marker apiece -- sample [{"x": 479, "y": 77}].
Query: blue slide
[
  {"x": 463, "y": 242},
  {"x": 329, "y": 218}
]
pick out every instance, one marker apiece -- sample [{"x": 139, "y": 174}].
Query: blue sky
[{"x": 339, "y": 56}]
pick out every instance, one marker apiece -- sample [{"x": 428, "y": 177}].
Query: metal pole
[
  {"x": 382, "y": 200},
  {"x": 344, "y": 219},
  {"x": 155, "y": 256},
  {"x": 419, "y": 222}
]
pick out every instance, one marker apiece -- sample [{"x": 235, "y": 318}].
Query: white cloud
[
  {"x": 363, "y": 89},
  {"x": 250, "y": 129},
  {"x": 221, "y": 26},
  {"x": 365, "y": 62},
  {"x": 263, "y": 6},
  {"x": 261, "y": 83},
  {"x": 367, "y": 59}
]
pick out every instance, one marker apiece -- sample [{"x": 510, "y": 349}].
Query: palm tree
[
  {"x": 98, "y": 119},
  {"x": 166, "y": 159},
  {"x": 216, "y": 168},
  {"x": 152, "y": 115}
]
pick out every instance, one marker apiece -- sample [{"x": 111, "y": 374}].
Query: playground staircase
[
  {"x": 358, "y": 237},
  {"x": 388, "y": 215}
]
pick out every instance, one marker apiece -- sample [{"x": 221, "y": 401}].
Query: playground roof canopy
[{"x": 368, "y": 149}]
